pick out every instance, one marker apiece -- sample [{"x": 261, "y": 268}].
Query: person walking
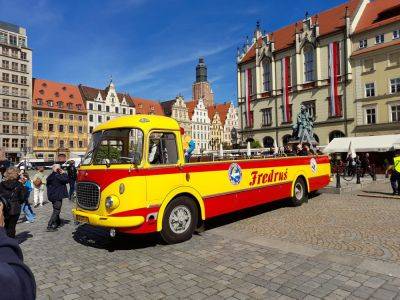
[
  {"x": 72, "y": 175},
  {"x": 39, "y": 182},
  {"x": 395, "y": 176},
  {"x": 26, "y": 207},
  {"x": 56, "y": 184},
  {"x": 13, "y": 192},
  {"x": 16, "y": 279}
]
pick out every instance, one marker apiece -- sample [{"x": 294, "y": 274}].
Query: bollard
[
  {"x": 337, "y": 178},
  {"x": 358, "y": 175}
]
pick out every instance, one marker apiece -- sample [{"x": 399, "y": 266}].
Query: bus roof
[{"x": 144, "y": 122}]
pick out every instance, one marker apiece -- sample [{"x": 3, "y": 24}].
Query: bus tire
[
  {"x": 299, "y": 192},
  {"x": 179, "y": 220}
]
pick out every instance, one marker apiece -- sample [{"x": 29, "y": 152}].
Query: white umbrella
[
  {"x": 248, "y": 149},
  {"x": 221, "y": 150}
]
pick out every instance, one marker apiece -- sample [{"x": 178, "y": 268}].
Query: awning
[{"x": 377, "y": 143}]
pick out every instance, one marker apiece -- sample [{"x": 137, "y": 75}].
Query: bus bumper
[{"x": 115, "y": 222}]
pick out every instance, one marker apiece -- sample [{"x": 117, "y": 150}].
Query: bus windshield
[{"x": 115, "y": 146}]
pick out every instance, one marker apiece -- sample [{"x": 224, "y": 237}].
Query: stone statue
[
  {"x": 234, "y": 136},
  {"x": 303, "y": 130}
]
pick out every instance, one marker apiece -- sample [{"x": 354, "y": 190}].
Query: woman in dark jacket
[
  {"x": 13, "y": 191},
  {"x": 56, "y": 184}
]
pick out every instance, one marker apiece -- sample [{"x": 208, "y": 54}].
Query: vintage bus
[{"x": 134, "y": 179}]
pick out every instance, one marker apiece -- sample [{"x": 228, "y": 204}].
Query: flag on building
[
  {"x": 285, "y": 89},
  {"x": 334, "y": 70}
]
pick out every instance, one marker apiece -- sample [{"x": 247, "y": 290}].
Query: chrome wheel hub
[
  {"x": 298, "y": 191},
  {"x": 180, "y": 219}
]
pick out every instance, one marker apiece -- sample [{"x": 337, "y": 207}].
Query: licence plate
[{"x": 82, "y": 219}]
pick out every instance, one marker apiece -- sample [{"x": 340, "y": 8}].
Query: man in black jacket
[
  {"x": 72, "y": 175},
  {"x": 56, "y": 184},
  {"x": 16, "y": 279}
]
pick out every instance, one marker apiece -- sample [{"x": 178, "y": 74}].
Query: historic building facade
[
  {"x": 15, "y": 92},
  {"x": 59, "y": 120},
  {"x": 104, "y": 104},
  {"x": 339, "y": 64},
  {"x": 200, "y": 124},
  {"x": 376, "y": 63}
]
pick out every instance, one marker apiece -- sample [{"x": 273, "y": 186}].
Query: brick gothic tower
[{"x": 201, "y": 88}]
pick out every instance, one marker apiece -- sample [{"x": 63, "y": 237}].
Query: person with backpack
[
  {"x": 39, "y": 182},
  {"x": 26, "y": 207},
  {"x": 56, "y": 191},
  {"x": 13, "y": 193}
]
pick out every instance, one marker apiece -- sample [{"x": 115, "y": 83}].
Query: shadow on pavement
[
  {"x": 379, "y": 193},
  {"x": 23, "y": 236},
  {"x": 100, "y": 238}
]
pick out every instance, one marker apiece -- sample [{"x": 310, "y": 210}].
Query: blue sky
[{"x": 150, "y": 47}]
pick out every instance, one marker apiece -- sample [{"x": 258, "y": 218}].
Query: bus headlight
[{"x": 112, "y": 202}]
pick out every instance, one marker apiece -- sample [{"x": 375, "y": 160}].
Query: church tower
[{"x": 201, "y": 87}]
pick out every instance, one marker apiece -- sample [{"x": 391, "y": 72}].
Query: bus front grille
[{"x": 88, "y": 195}]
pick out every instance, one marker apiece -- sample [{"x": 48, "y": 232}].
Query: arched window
[
  {"x": 285, "y": 139},
  {"x": 267, "y": 83},
  {"x": 335, "y": 134},
  {"x": 268, "y": 142},
  {"x": 309, "y": 63}
]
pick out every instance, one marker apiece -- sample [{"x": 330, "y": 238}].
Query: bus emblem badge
[
  {"x": 235, "y": 174},
  {"x": 313, "y": 165}
]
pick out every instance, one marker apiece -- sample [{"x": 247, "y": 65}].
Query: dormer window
[
  {"x": 59, "y": 104},
  {"x": 41, "y": 92},
  {"x": 71, "y": 96},
  {"x": 363, "y": 43},
  {"x": 57, "y": 94},
  {"x": 39, "y": 102},
  {"x": 396, "y": 34},
  {"x": 50, "y": 103},
  {"x": 379, "y": 39},
  {"x": 79, "y": 107},
  {"x": 69, "y": 105}
]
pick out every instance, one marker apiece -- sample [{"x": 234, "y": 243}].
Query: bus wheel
[
  {"x": 179, "y": 221},
  {"x": 299, "y": 193}
]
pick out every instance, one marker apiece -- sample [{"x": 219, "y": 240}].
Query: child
[{"x": 26, "y": 207}]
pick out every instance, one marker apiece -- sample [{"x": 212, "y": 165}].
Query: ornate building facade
[
  {"x": 59, "y": 120},
  {"x": 316, "y": 62},
  {"x": 15, "y": 91},
  {"x": 103, "y": 105}
]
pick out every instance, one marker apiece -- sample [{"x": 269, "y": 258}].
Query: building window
[
  {"x": 6, "y": 129},
  {"x": 395, "y": 85},
  {"x": 396, "y": 34},
  {"x": 80, "y": 129},
  {"x": 24, "y": 117},
  {"x": 379, "y": 39},
  {"x": 61, "y": 128},
  {"x": 14, "y": 143},
  {"x": 99, "y": 107},
  {"x": 124, "y": 111},
  {"x": 71, "y": 117},
  {"x": 14, "y": 78},
  {"x": 40, "y": 113},
  {"x": 51, "y": 115},
  {"x": 51, "y": 143},
  {"x": 61, "y": 116},
  {"x": 23, "y": 68},
  {"x": 370, "y": 90},
  {"x": 117, "y": 110},
  {"x": 266, "y": 116},
  {"x": 395, "y": 112},
  {"x": 71, "y": 144},
  {"x": 23, "y": 55},
  {"x": 6, "y": 116},
  {"x": 14, "y": 117},
  {"x": 6, "y": 143},
  {"x": 107, "y": 108},
  {"x": 14, "y": 66},
  {"x": 24, "y": 105},
  {"x": 14, "y": 91},
  {"x": 24, "y": 80},
  {"x": 24, "y": 93},
  {"x": 309, "y": 63},
  {"x": 6, "y": 103},
  {"x": 71, "y": 129},
  {"x": 80, "y": 118},
  {"x": 5, "y": 64},
  {"x": 14, "y": 103},
  {"x": 23, "y": 143},
  {"x": 40, "y": 126},
  {"x": 6, "y": 77},
  {"x": 40, "y": 143},
  {"x": 363, "y": 43},
  {"x": 13, "y": 40},
  {"x": 50, "y": 103},
  {"x": 90, "y": 118},
  {"x": 368, "y": 65},
  {"x": 131, "y": 111},
  {"x": 59, "y": 104},
  {"x": 51, "y": 127},
  {"x": 14, "y": 129},
  {"x": 370, "y": 115},
  {"x": 267, "y": 75},
  {"x": 99, "y": 119},
  {"x": 90, "y": 106},
  {"x": 90, "y": 129},
  {"x": 80, "y": 144},
  {"x": 62, "y": 144}
]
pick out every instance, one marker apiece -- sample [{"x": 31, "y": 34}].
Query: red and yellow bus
[{"x": 134, "y": 179}]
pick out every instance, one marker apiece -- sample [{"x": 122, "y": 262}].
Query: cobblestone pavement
[{"x": 230, "y": 260}]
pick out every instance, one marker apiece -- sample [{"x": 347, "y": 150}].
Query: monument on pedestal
[{"x": 303, "y": 129}]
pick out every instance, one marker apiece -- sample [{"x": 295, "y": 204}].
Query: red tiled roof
[
  {"x": 378, "y": 13},
  {"x": 167, "y": 107},
  {"x": 90, "y": 93},
  {"x": 375, "y": 47},
  {"x": 56, "y": 92},
  {"x": 222, "y": 110},
  {"x": 191, "y": 106},
  {"x": 329, "y": 21},
  {"x": 146, "y": 106}
]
